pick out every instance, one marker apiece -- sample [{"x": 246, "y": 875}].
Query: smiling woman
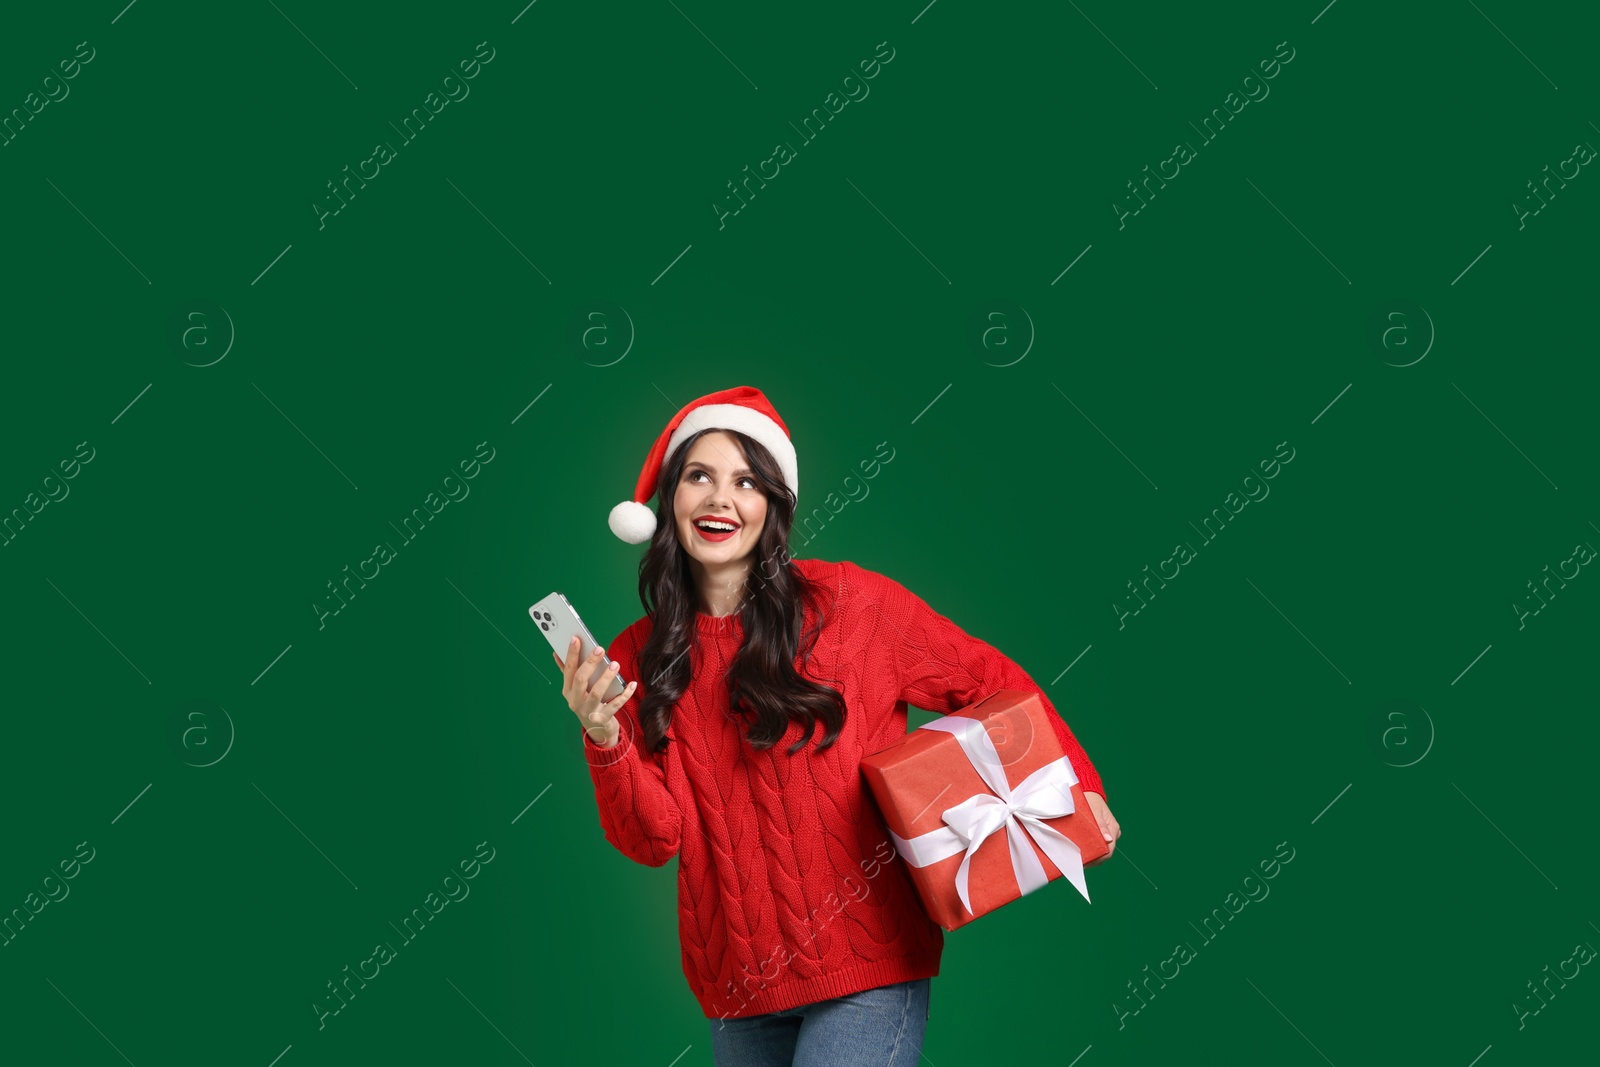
[{"x": 738, "y": 746}]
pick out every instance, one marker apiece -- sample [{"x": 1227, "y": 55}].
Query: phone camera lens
[{"x": 544, "y": 626}]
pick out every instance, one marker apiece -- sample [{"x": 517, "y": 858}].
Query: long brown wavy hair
[{"x": 763, "y": 685}]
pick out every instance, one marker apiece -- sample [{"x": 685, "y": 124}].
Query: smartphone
[{"x": 560, "y": 622}]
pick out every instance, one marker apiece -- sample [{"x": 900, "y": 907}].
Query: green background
[{"x": 1241, "y": 708}]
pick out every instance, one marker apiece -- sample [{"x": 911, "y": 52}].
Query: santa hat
[{"x": 742, "y": 408}]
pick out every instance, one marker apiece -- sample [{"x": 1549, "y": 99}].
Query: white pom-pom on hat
[
  {"x": 633, "y": 522},
  {"x": 743, "y": 408}
]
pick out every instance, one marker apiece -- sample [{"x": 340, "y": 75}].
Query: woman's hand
[
  {"x": 1109, "y": 827},
  {"x": 598, "y": 716}
]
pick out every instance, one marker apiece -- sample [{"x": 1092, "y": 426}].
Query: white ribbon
[{"x": 1044, "y": 794}]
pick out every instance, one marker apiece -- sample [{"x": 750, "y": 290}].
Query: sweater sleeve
[
  {"x": 637, "y": 812},
  {"x": 940, "y": 667}
]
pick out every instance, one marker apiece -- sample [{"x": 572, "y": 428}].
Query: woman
[{"x": 802, "y": 936}]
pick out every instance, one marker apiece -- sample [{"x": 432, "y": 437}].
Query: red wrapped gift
[{"x": 985, "y": 807}]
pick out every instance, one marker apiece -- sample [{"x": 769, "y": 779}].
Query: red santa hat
[{"x": 743, "y": 408}]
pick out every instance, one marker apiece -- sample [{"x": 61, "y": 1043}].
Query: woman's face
[{"x": 716, "y": 483}]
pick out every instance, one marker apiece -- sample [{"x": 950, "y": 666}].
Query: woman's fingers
[
  {"x": 608, "y": 709},
  {"x": 603, "y": 681},
  {"x": 586, "y": 678},
  {"x": 573, "y": 661},
  {"x": 569, "y": 665},
  {"x": 1110, "y": 829},
  {"x": 586, "y": 671}
]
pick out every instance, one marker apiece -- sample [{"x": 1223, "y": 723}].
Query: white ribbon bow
[{"x": 1044, "y": 794}]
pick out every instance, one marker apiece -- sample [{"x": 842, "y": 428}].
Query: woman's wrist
[{"x": 608, "y": 735}]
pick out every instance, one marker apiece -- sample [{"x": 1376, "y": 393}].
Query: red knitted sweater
[{"x": 789, "y": 888}]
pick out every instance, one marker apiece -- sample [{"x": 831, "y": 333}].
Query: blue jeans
[{"x": 880, "y": 1027}]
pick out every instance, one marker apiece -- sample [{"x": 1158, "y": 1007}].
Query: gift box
[{"x": 984, "y": 807}]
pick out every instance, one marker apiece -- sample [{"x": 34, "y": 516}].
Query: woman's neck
[{"x": 720, "y": 589}]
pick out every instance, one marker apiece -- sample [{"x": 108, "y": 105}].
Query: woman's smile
[{"x": 716, "y": 528}]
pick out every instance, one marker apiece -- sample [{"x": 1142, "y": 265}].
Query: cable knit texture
[{"x": 789, "y": 889}]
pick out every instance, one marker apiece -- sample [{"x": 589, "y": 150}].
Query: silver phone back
[{"x": 559, "y": 621}]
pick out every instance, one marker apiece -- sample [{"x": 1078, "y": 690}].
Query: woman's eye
[{"x": 692, "y": 475}]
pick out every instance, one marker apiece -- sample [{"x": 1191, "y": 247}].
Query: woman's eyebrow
[{"x": 709, "y": 467}]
